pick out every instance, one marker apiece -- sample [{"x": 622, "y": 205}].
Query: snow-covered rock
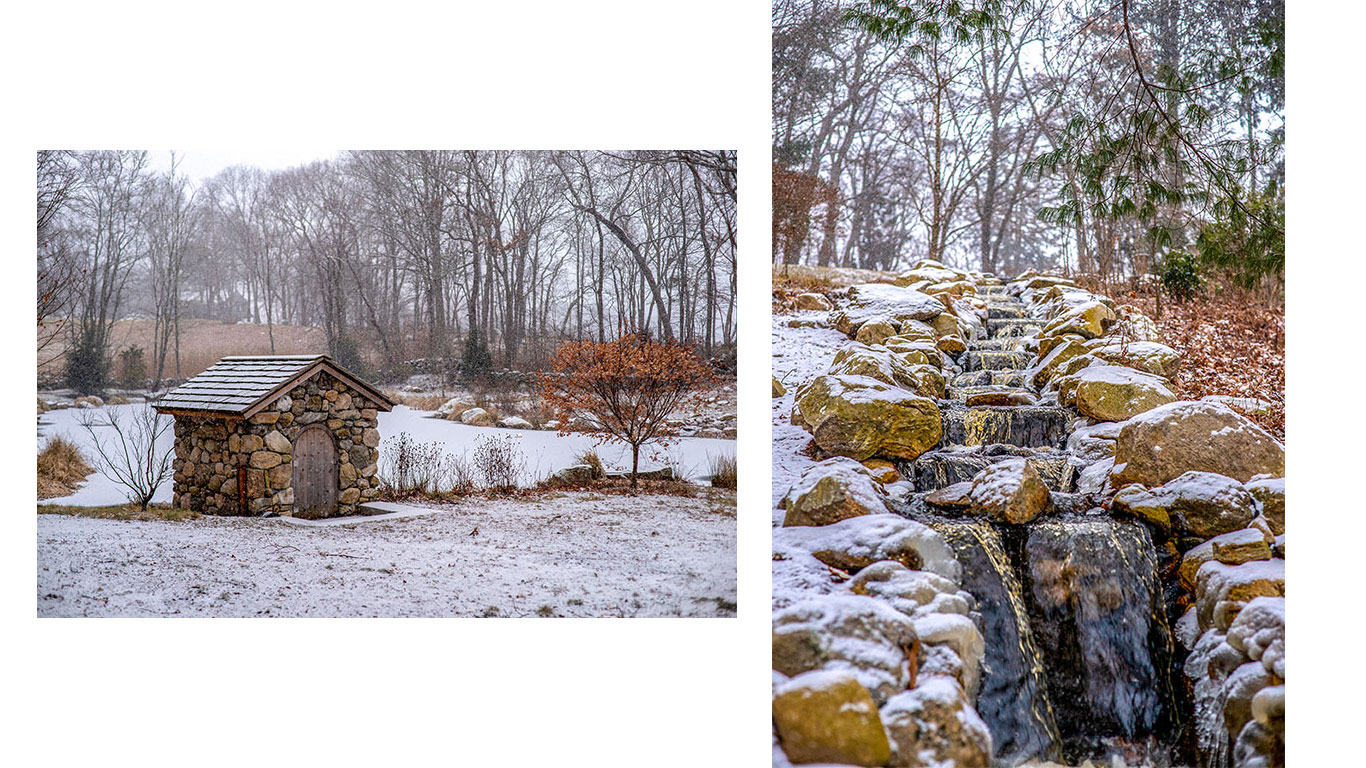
[
  {"x": 1009, "y": 491},
  {"x": 830, "y": 491},
  {"x": 477, "y": 417},
  {"x": 1159, "y": 445},
  {"x": 514, "y": 422},
  {"x": 934, "y": 726},
  {"x": 1116, "y": 393},
  {"x": 827, "y": 716},
  {"x": 862, "y": 635},
  {"x": 861, "y": 541},
  {"x": 861, "y": 417}
]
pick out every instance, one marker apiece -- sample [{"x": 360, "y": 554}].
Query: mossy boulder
[
  {"x": 1165, "y": 442},
  {"x": 827, "y": 716},
  {"x": 1116, "y": 393},
  {"x": 833, "y": 490},
  {"x": 1091, "y": 320},
  {"x": 1148, "y": 356},
  {"x": 861, "y": 417}
]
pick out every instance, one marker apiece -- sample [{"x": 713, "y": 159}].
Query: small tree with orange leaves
[{"x": 621, "y": 390}]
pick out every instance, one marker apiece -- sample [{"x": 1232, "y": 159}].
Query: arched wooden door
[{"x": 315, "y": 473}]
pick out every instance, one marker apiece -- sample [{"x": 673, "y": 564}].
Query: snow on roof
[{"x": 242, "y": 385}]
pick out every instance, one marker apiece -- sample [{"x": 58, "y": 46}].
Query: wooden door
[{"x": 315, "y": 473}]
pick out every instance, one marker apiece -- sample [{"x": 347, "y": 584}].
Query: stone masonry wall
[{"x": 209, "y": 451}]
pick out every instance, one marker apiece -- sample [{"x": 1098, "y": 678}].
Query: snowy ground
[
  {"x": 571, "y": 554},
  {"x": 545, "y": 451},
  {"x": 799, "y": 355}
]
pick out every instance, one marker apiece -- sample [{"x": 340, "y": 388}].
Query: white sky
[{"x": 199, "y": 164}]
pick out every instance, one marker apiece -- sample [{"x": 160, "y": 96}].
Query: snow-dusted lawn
[
  {"x": 572, "y": 554},
  {"x": 545, "y": 451}
]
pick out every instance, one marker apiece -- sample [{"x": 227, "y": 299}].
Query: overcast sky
[{"x": 199, "y": 164}]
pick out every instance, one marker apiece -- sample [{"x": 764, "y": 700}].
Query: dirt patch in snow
[{"x": 572, "y": 554}]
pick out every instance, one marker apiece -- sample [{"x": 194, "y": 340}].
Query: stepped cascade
[{"x": 1001, "y": 537}]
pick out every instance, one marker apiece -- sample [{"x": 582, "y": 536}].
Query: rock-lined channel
[{"x": 1000, "y": 537}]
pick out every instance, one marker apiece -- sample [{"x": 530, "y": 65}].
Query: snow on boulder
[
  {"x": 1260, "y": 630},
  {"x": 514, "y": 422},
  {"x": 905, "y": 589},
  {"x": 827, "y": 716},
  {"x": 1222, "y": 590},
  {"x": 899, "y": 303},
  {"x": 477, "y": 417},
  {"x": 1116, "y": 393},
  {"x": 1009, "y": 491},
  {"x": 861, "y": 541},
  {"x": 934, "y": 726},
  {"x": 813, "y": 301},
  {"x": 1148, "y": 356},
  {"x": 1197, "y": 504},
  {"x": 831, "y": 491},
  {"x": 876, "y": 363},
  {"x": 1171, "y": 439},
  {"x": 453, "y": 409},
  {"x": 1090, "y": 320},
  {"x": 961, "y": 635},
  {"x": 861, "y": 417},
  {"x": 862, "y": 635},
  {"x": 1270, "y": 494}
]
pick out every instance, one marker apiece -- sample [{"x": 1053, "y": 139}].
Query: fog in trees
[{"x": 425, "y": 261}]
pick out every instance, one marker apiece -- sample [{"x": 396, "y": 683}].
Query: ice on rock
[
  {"x": 854, "y": 633},
  {"x": 861, "y": 541}
]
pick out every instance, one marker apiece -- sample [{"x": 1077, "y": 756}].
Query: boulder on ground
[
  {"x": 861, "y": 417},
  {"x": 858, "y": 542},
  {"x": 813, "y": 301},
  {"x": 875, "y": 331},
  {"x": 514, "y": 422},
  {"x": 852, "y": 632},
  {"x": 1091, "y": 320},
  {"x": 1171, "y": 439},
  {"x": 778, "y": 389},
  {"x": 833, "y": 490},
  {"x": 1009, "y": 491},
  {"x": 1149, "y": 356},
  {"x": 933, "y": 725},
  {"x": 477, "y": 417},
  {"x": 893, "y": 301},
  {"x": 1270, "y": 493},
  {"x": 1116, "y": 393},
  {"x": 1053, "y": 357},
  {"x": 827, "y": 716},
  {"x": 453, "y": 409},
  {"x": 1195, "y": 504}
]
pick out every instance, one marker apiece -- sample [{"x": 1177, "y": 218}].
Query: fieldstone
[
  {"x": 778, "y": 389},
  {"x": 575, "y": 474},
  {"x": 906, "y": 589},
  {"x": 349, "y": 496},
  {"x": 1054, "y": 355},
  {"x": 251, "y": 443},
  {"x": 860, "y": 634},
  {"x": 266, "y": 417},
  {"x": 1223, "y": 590},
  {"x": 1241, "y": 546},
  {"x": 861, "y": 417},
  {"x": 896, "y": 303},
  {"x": 833, "y": 490},
  {"x": 1165, "y": 442},
  {"x": 1115, "y": 393},
  {"x": 277, "y": 442},
  {"x": 1148, "y": 356},
  {"x": 827, "y": 716},
  {"x": 813, "y": 301},
  {"x": 1198, "y": 504},
  {"x": 265, "y": 459},
  {"x": 476, "y": 417},
  {"x": 1090, "y": 320},
  {"x": 875, "y": 331},
  {"x": 514, "y": 422},
  {"x": 1001, "y": 397},
  {"x": 951, "y": 345},
  {"x": 280, "y": 476},
  {"x": 346, "y": 474},
  {"x": 1270, "y": 493},
  {"x": 957, "y": 495},
  {"x": 1009, "y": 491},
  {"x": 284, "y": 403},
  {"x": 933, "y": 725},
  {"x": 858, "y": 542}
]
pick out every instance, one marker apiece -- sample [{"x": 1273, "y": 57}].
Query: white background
[{"x": 537, "y": 74}]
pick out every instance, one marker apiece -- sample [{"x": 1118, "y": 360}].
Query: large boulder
[
  {"x": 827, "y": 716},
  {"x": 1091, "y": 320},
  {"x": 1055, "y": 356},
  {"x": 452, "y": 409},
  {"x": 1171, "y": 439},
  {"x": 858, "y": 542},
  {"x": 1221, "y": 591},
  {"x": 862, "y": 635},
  {"x": 477, "y": 417},
  {"x": 861, "y": 417},
  {"x": 813, "y": 301},
  {"x": 933, "y": 725},
  {"x": 1149, "y": 356},
  {"x": 1116, "y": 393},
  {"x": 1196, "y": 504},
  {"x": 870, "y": 299},
  {"x": 1009, "y": 491},
  {"x": 831, "y": 491}
]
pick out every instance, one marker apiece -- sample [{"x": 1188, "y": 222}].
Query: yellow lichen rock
[{"x": 861, "y": 417}]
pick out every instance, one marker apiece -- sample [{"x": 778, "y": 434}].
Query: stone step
[
  {"x": 991, "y": 290},
  {"x": 1029, "y": 426},
  {"x": 940, "y": 468},
  {"x": 1015, "y": 311},
  {"x": 1012, "y": 327},
  {"x": 994, "y": 360},
  {"x": 1007, "y": 343},
  {"x": 988, "y": 379}
]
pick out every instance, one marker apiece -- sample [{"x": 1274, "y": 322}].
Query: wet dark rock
[{"x": 1029, "y": 426}]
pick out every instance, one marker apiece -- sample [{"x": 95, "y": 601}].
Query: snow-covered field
[
  {"x": 799, "y": 355},
  {"x": 545, "y": 451},
  {"x": 571, "y": 554}
]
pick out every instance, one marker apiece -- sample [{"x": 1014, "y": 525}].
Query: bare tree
[{"x": 127, "y": 451}]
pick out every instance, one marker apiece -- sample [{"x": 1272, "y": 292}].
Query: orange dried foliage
[{"x": 623, "y": 389}]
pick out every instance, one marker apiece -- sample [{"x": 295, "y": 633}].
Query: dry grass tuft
[
  {"x": 61, "y": 467},
  {"x": 724, "y": 471}
]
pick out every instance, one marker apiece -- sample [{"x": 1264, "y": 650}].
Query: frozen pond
[{"x": 545, "y": 451}]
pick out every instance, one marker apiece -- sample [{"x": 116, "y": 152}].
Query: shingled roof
[{"x": 241, "y": 386}]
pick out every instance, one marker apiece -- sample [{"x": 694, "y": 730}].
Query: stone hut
[{"x": 284, "y": 435}]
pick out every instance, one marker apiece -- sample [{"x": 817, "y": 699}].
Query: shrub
[
  {"x": 475, "y": 364},
  {"x": 498, "y": 462},
  {"x": 132, "y": 368},
  {"x": 87, "y": 367},
  {"x": 409, "y": 466},
  {"x": 131, "y": 457},
  {"x": 589, "y": 457},
  {"x": 622, "y": 390},
  {"x": 1180, "y": 275},
  {"x": 723, "y": 471}
]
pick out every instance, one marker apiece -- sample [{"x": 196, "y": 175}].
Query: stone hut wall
[{"x": 209, "y": 451}]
